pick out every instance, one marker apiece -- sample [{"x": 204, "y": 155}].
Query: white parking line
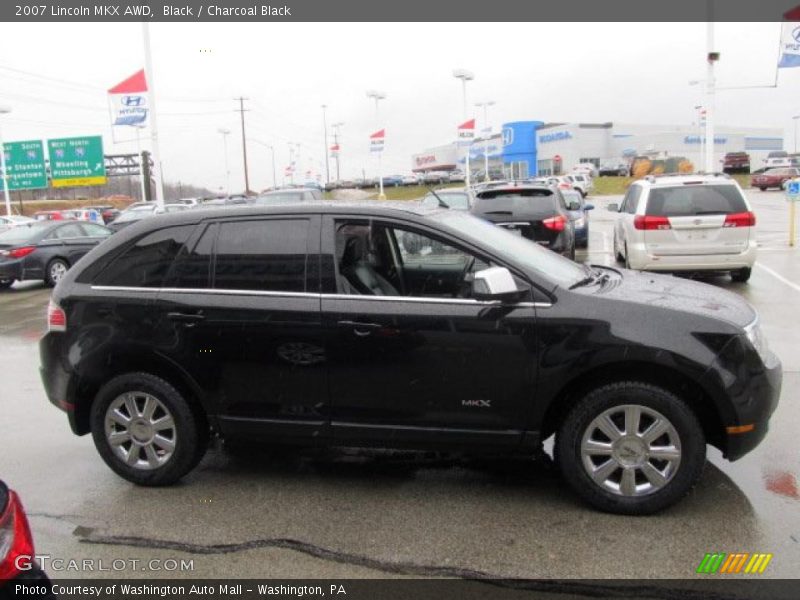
[{"x": 779, "y": 277}]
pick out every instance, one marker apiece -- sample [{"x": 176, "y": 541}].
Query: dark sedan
[
  {"x": 536, "y": 212},
  {"x": 46, "y": 249}
]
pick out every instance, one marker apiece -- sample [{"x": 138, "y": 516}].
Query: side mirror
[
  {"x": 495, "y": 283},
  {"x": 613, "y": 207},
  {"x": 588, "y": 207}
]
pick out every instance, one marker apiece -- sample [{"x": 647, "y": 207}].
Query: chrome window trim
[{"x": 224, "y": 292}]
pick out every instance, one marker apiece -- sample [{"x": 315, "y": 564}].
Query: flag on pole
[
  {"x": 466, "y": 133},
  {"x": 790, "y": 45},
  {"x": 335, "y": 150},
  {"x": 376, "y": 141},
  {"x": 128, "y": 101}
]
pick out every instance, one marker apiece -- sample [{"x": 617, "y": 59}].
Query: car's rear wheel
[
  {"x": 6, "y": 283},
  {"x": 763, "y": 189},
  {"x": 617, "y": 254},
  {"x": 146, "y": 431},
  {"x": 55, "y": 271},
  {"x": 631, "y": 448},
  {"x": 627, "y": 258},
  {"x": 741, "y": 275}
]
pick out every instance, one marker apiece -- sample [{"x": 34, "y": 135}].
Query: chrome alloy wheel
[
  {"x": 631, "y": 450},
  {"x": 140, "y": 430},
  {"x": 57, "y": 270}
]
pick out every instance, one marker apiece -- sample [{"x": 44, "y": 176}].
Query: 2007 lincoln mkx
[{"x": 365, "y": 325}]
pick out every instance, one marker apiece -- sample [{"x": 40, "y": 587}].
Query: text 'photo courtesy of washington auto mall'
[{"x": 293, "y": 306}]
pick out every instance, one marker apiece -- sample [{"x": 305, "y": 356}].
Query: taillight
[
  {"x": 743, "y": 219},
  {"x": 15, "y": 539},
  {"x": 556, "y": 223},
  {"x": 649, "y": 222},
  {"x": 56, "y": 317},
  {"x": 20, "y": 252}
]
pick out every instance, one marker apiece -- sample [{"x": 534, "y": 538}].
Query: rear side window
[
  {"x": 65, "y": 232},
  {"x": 693, "y": 200},
  {"x": 266, "y": 255},
  {"x": 147, "y": 261},
  {"x": 192, "y": 267}
]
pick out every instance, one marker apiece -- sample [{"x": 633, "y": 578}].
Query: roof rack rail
[{"x": 653, "y": 178}]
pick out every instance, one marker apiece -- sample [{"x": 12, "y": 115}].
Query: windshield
[
  {"x": 22, "y": 233},
  {"x": 457, "y": 200},
  {"x": 513, "y": 248}
]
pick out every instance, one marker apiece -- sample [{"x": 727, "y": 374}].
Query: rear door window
[
  {"x": 146, "y": 262},
  {"x": 262, "y": 255},
  {"x": 66, "y": 232},
  {"x": 686, "y": 201}
]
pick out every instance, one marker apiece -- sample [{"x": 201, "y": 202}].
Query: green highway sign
[
  {"x": 25, "y": 165},
  {"x": 77, "y": 161}
]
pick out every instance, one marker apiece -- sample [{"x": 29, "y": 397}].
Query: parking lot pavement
[{"x": 357, "y": 514}]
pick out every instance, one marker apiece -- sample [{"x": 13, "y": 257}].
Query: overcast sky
[{"x": 54, "y": 77}]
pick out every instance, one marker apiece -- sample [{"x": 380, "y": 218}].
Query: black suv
[
  {"x": 372, "y": 325},
  {"x": 534, "y": 211}
]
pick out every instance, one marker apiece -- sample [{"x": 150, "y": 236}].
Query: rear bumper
[
  {"x": 11, "y": 269},
  {"x": 58, "y": 382},
  {"x": 643, "y": 260}
]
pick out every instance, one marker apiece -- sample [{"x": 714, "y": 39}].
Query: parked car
[
  {"x": 736, "y": 162},
  {"x": 107, "y": 212},
  {"x": 411, "y": 180},
  {"x": 392, "y": 180},
  {"x": 580, "y": 182},
  {"x": 472, "y": 340},
  {"x": 83, "y": 214},
  {"x": 456, "y": 176},
  {"x": 149, "y": 209},
  {"x": 49, "y": 215},
  {"x": 686, "y": 223},
  {"x": 614, "y": 169},
  {"x": 578, "y": 210},
  {"x": 774, "y": 178},
  {"x": 779, "y": 159},
  {"x": 455, "y": 198},
  {"x": 20, "y": 573},
  {"x": 45, "y": 250},
  {"x": 289, "y": 196},
  {"x": 535, "y": 212},
  {"x": 10, "y": 221},
  {"x": 586, "y": 169},
  {"x": 435, "y": 177}
]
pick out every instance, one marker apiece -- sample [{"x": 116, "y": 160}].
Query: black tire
[
  {"x": 692, "y": 448},
  {"x": 742, "y": 275},
  {"x": 626, "y": 259},
  {"x": 6, "y": 283},
  {"x": 617, "y": 254},
  {"x": 190, "y": 431},
  {"x": 763, "y": 189},
  {"x": 49, "y": 277}
]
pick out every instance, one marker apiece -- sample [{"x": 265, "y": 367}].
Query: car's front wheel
[
  {"x": 742, "y": 275},
  {"x": 631, "y": 448},
  {"x": 146, "y": 431},
  {"x": 6, "y": 283}
]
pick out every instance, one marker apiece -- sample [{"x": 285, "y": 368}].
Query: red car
[
  {"x": 48, "y": 215},
  {"x": 774, "y": 178}
]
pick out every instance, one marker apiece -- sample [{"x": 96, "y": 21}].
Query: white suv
[
  {"x": 686, "y": 223},
  {"x": 581, "y": 182}
]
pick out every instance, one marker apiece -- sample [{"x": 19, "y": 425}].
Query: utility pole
[
  {"x": 325, "y": 130},
  {"x": 241, "y": 112},
  {"x": 225, "y": 132},
  {"x": 336, "y": 127}
]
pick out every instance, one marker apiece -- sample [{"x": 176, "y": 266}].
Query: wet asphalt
[{"x": 261, "y": 513}]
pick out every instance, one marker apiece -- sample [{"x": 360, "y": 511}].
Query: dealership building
[{"x": 529, "y": 148}]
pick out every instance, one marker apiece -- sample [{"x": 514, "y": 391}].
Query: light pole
[
  {"x": 325, "y": 130},
  {"x": 794, "y": 118},
  {"x": 701, "y": 117},
  {"x": 488, "y": 130},
  {"x": 378, "y": 96},
  {"x": 465, "y": 76},
  {"x": 336, "y": 127},
  {"x": 225, "y": 133},
  {"x": 711, "y": 58},
  {"x": 4, "y": 110}
]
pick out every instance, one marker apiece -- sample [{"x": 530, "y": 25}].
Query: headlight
[
  {"x": 757, "y": 338},
  {"x": 580, "y": 223}
]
